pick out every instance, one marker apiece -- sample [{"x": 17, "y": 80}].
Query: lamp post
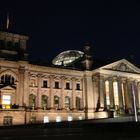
[{"x": 134, "y": 102}]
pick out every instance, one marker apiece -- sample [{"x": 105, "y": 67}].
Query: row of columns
[{"x": 126, "y": 104}]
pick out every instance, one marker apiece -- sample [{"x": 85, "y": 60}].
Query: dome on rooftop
[{"x": 68, "y": 57}]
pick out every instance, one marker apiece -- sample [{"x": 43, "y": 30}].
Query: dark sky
[{"x": 111, "y": 27}]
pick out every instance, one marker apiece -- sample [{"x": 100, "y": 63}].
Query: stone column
[
  {"x": 138, "y": 87},
  {"x": 51, "y": 96},
  {"x": 17, "y": 92},
  {"x": 73, "y": 94},
  {"x": 136, "y": 93},
  {"x": 39, "y": 84},
  {"x": 101, "y": 92},
  {"x": 89, "y": 95},
  {"x": 62, "y": 103},
  {"x": 105, "y": 106},
  {"x": 21, "y": 86},
  {"x": 26, "y": 88},
  {"x": 120, "y": 95},
  {"x": 129, "y": 96},
  {"x": 111, "y": 92},
  {"x": 95, "y": 92},
  {"x": 83, "y": 94}
]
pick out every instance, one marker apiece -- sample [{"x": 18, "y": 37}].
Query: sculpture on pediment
[{"x": 122, "y": 67}]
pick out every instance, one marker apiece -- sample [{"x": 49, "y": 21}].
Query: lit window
[
  {"x": 70, "y": 118},
  {"x": 107, "y": 92},
  {"x": 80, "y": 117},
  {"x": 46, "y": 119},
  {"x": 116, "y": 98},
  {"x": 58, "y": 119},
  {"x": 6, "y": 101}
]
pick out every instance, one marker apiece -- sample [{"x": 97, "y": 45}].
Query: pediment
[
  {"x": 7, "y": 88},
  {"x": 123, "y": 66}
]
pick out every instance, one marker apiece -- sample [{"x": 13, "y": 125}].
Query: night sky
[{"x": 111, "y": 27}]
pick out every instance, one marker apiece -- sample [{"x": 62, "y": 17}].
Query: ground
[{"x": 73, "y": 130}]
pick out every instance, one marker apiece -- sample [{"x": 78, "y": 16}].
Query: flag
[{"x": 7, "y": 21}]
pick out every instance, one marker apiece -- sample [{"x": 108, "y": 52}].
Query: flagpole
[{"x": 134, "y": 102}]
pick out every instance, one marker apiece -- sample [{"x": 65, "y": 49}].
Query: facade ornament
[{"x": 122, "y": 67}]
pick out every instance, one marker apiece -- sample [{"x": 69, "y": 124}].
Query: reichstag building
[{"x": 72, "y": 87}]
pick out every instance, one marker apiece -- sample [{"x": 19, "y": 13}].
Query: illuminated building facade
[{"x": 32, "y": 93}]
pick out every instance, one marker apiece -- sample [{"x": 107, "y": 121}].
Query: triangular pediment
[
  {"x": 7, "y": 88},
  {"x": 123, "y": 66}
]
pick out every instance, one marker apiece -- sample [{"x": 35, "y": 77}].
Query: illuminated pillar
[
  {"x": 51, "y": 96},
  {"x": 89, "y": 95},
  {"x": 62, "y": 100},
  {"x": 101, "y": 92},
  {"x": 136, "y": 93},
  {"x": 83, "y": 94},
  {"x": 26, "y": 88},
  {"x": 95, "y": 92},
  {"x": 17, "y": 92},
  {"x": 111, "y": 92},
  {"x": 138, "y": 86},
  {"x": 129, "y": 96},
  {"x": 39, "y": 91},
  {"x": 21, "y": 86},
  {"x": 120, "y": 95},
  {"x": 73, "y": 93}
]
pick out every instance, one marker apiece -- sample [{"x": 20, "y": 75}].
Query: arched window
[
  {"x": 116, "y": 97},
  {"x": 56, "y": 102},
  {"x": 7, "y": 79},
  {"x": 78, "y": 102},
  {"x": 32, "y": 101},
  {"x": 44, "y": 101},
  {"x": 67, "y": 102},
  {"x": 107, "y": 92}
]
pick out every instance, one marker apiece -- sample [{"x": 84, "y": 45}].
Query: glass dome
[{"x": 67, "y": 57}]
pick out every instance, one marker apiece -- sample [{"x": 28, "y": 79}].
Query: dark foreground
[{"x": 73, "y": 130}]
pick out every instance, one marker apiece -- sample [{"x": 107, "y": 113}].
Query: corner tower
[{"x": 13, "y": 46}]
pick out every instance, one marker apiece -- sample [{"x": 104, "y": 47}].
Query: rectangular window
[
  {"x": 56, "y": 84},
  {"x": 6, "y": 101},
  {"x": 7, "y": 120},
  {"x": 45, "y": 84},
  {"x": 77, "y": 86},
  {"x": 67, "y": 85}
]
